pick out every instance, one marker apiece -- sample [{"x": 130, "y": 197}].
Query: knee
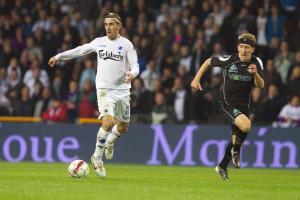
[
  {"x": 122, "y": 129},
  {"x": 107, "y": 123},
  {"x": 246, "y": 126}
]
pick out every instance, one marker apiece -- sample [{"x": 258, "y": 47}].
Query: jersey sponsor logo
[
  {"x": 110, "y": 55},
  {"x": 238, "y": 77},
  {"x": 224, "y": 57}
]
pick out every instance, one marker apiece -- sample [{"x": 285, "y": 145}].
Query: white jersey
[{"x": 115, "y": 59}]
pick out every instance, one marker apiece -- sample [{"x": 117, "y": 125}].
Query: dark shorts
[{"x": 230, "y": 112}]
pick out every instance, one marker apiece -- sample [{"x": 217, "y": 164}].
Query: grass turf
[{"x": 50, "y": 181}]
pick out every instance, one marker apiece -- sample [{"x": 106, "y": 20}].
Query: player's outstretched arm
[
  {"x": 70, "y": 54},
  {"x": 196, "y": 81}
]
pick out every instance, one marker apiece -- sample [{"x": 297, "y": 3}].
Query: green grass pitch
[{"x": 50, "y": 181}]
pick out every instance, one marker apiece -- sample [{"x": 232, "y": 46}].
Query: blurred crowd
[{"x": 172, "y": 39}]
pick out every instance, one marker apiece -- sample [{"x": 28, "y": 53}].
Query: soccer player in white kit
[{"x": 117, "y": 65}]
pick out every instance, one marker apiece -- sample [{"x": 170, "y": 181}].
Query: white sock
[
  {"x": 100, "y": 143},
  {"x": 114, "y": 135}
]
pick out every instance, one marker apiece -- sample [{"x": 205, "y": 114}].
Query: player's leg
[
  {"x": 107, "y": 125},
  {"x": 242, "y": 128},
  {"x": 221, "y": 169},
  {"x": 122, "y": 114},
  {"x": 118, "y": 131},
  {"x": 96, "y": 159},
  {"x": 106, "y": 108}
]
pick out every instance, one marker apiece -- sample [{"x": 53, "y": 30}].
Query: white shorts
[{"x": 114, "y": 103}]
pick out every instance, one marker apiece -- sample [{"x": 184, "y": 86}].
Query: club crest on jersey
[
  {"x": 110, "y": 55},
  {"x": 224, "y": 57},
  {"x": 233, "y": 68}
]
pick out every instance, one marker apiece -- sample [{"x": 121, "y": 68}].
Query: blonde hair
[
  {"x": 247, "y": 36},
  {"x": 114, "y": 16}
]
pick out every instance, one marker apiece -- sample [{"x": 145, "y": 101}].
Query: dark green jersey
[{"x": 237, "y": 81}]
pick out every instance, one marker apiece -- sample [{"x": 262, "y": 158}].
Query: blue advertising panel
[{"x": 188, "y": 145}]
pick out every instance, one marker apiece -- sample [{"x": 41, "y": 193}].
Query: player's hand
[
  {"x": 252, "y": 69},
  {"x": 52, "y": 61},
  {"x": 196, "y": 85},
  {"x": 129, "y": 77}
]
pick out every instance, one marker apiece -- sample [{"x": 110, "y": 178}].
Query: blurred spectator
[
  {"x": 37, "y": 91},
  {"x": 244, "y": 22},
  {"x": 6, "y": 53},
  {"x": 165, "y": 13},
  {"x": 180, "y": 99},
  {"x": 161, "y": 113},
  {"x": 43, "y": 23},
  {"x": 293, "y": 84},
  {"x": 255, "y": 106},
  {"x": 32, "y": 49},
  {"x": 57, "y": 85},
  {"x": 167, "y": 78},
  {"x": 87, "y": 100},
  {"x": 228, "y": 30},
  {"x": 185, "y": 58},
  {"x": 275, "y": 24},
  {"x": 273, "y": 48},
  {"x": 297, "y": 58},
  {"x": 24, "y": 106},
  {"x": 88, "y": 73},
  {"x": 4, "y": 102},
  {"x": 141, "y": 102},
  {"x": 150, "y": 75},
  {"x": 3, "y": 82},
  {"x": 289, "y": 116},
  {"x": 271, "y": 104},
  {"x": 261, "y": 23},
  {"x": 44, "y": 103},
  {"x": 210, "y": 102},
  {"x": 293, "y": 36},
  {"x": 175, "y": 7},
  {"x": 182, "y": 74},
  {"x": 14, "y": 66},
  {"x": 81, "y": 24},
  {"x": 18, "y": 42},
  {"x": 199, "y": 54},
  {"x": 12, "y": 79},
  {"x": 71, "y": 100},
  {"x": 27, "y": 26},
  {"x": 35, "y": 74},
  {"x": 271, "y": 76},
  {"x": 56, "y": 113},
  {"x": 283, "y": 61},
  {"x": 217, "y": 14}
]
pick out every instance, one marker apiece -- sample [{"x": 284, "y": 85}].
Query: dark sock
[
  {"x": 227, "y": 157},
  {"x": 240, "y": 138}
]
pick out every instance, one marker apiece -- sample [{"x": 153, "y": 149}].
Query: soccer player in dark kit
[{"x": 241, "y": 72}]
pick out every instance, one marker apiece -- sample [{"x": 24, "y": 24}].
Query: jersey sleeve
[
  {"x": 133, "y": 60},
  {"x": 220, "y": 61},
  {"x": 76, "y": 52},
  {"x": 260, "y": 67}
]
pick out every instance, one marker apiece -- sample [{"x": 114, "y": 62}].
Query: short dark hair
[{"x": 114, "y": 16}]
